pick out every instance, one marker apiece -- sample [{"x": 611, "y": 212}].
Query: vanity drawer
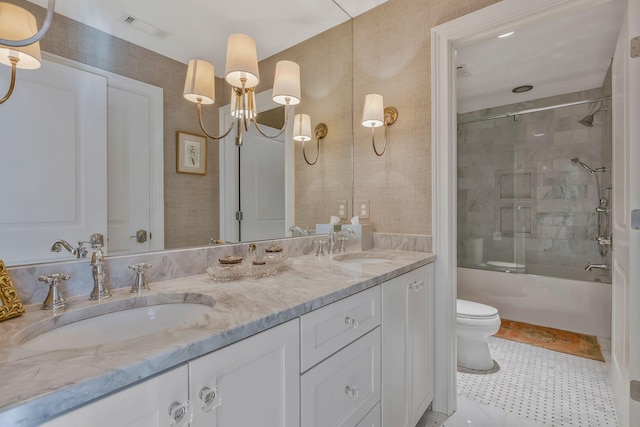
[
  {"x": 373, "y": 418},
  {"x": 328, "y": 329},
  {"x": 342, "y": 390}
]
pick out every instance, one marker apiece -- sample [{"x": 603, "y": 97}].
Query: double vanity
[{"x": 334, "y": 341}]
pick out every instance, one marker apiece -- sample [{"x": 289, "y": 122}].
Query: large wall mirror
[{"x": 118, "y": 89}]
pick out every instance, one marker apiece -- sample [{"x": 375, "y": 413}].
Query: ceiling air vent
[
  {"x": 462, "y": 71},
  {"x": 145, "y": 27}
]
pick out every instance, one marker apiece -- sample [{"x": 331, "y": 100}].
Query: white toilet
[{"x": 475, "y": 323}]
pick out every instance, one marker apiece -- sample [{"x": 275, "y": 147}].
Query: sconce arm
[
  {"x": 203, "y": 128},
  {"x": 284, "y": 126},
  {"x": 37, "y": 36},
  {"x": 304, "y": 154},
  {"x": 12, "y": 85},
  {"x": 373, "y": 141}
]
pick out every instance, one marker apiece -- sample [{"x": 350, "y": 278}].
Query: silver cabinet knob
[
  {"x": 351, "y": 322},
  {"x": 181, "y": 413},
  {"x": 210, "y": 398},
  {"x": 352, "y": 392}
]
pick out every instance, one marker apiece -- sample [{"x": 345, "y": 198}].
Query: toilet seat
[{"x": 474, "y": 310}]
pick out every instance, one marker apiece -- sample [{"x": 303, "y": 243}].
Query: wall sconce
[
  {"x": 302, "y": 132},
  {"x": 242, "y": 73},
  {"x": 374, "y": 115},
  {"x": 19, "y": 40}
]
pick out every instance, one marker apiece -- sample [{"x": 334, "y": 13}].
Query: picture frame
[
  {"x": 10, "y": 304},
  {"x": 191, "y": 153}
]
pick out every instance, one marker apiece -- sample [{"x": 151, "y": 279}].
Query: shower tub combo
[{"x": 533, "y": 228}]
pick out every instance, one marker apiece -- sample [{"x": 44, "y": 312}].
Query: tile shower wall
[{"x": 554, "y": 219}]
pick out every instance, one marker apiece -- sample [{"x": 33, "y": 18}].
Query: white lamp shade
[
  {"x": 18, "y": 24},
  {"x": 373, "y": 112},
  {"x": 286, "y": 85},
  {"x": 249, "y": 107},
  {"x": 242, "y": 61},
  {"x": 302, "y": 128},
  {"x": 200, "y": 83}
]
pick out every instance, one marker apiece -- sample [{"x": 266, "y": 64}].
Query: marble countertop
[{"x": 36, "y": 385}]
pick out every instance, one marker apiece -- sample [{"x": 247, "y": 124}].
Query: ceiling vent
[
  {"x": 145, "y": 27},
  {"x": 462, "y": 71}
]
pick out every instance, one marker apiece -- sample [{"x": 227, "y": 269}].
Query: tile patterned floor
[{"x": 534, "y": 387}]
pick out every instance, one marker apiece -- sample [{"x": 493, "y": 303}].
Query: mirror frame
[{"x": 10, "y": 304}]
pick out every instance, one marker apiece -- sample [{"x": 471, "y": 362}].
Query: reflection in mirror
[{"x": 93, "y": 86}]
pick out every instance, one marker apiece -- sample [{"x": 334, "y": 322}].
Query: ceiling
[
  {"x": 568, "y": 54},
  {"x": 200, "y": 28}
]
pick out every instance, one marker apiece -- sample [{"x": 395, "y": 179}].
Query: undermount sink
[
  {"x": 116, "y": 321},
  {"x": 360, "y": 258}
]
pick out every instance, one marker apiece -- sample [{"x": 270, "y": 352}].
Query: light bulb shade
[
  {"x": 242, "y": 61},
  {"x": 373, "y": 112},
  {"x": 17, "y": 24},
  {"x": 249, "y": 109},
  {"x": 302, "y": 128},
  {"x": 286, "y": 85},
  {"x": 200, "y": 83}
]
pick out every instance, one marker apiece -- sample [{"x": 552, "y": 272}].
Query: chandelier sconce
[
  {"x": 302, "y": 133},
  {"x": 374, "y": 115},
  {"x": 19, "y": 40},
  {"x": 242, "y": 74}
]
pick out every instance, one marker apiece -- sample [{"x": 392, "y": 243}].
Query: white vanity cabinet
[
  {"x": 145, "y": 404},
  {"x": 343, "y": 338},
  {"x": 407, "y": 347},
  {"x": 255, "y": 382}
]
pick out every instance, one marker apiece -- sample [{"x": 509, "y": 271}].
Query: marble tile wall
[{"x": 565, "y": 195}]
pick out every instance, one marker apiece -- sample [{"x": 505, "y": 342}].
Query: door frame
[
  {"x": 156, "y": 132},
  {"x": 485, "y": 23}
]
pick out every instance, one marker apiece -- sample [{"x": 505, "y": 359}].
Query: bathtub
[{"x": 572, "y": 305}]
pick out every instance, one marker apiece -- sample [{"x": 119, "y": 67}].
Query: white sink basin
[
  {"x": 360, "y": 259},
  {"x": 128, "y": 323}
]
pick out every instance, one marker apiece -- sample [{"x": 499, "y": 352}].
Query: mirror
[{"x": 190, "y": 211}]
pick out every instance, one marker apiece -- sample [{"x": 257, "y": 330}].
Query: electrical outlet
[
  {"x": 363, "y": 209},
  {"x": 343, "y": 209}
]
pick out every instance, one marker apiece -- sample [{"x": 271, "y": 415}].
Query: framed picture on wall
[{"x": 191, "y": 153}]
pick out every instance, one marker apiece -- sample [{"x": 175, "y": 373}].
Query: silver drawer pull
[
  {"x": 352, "y": 392},
  {"x": 417, "y": 286},
  {"x": 210, "y": 398},
  {"x": 351, "y": 322},
  {"x": 181, "y": 413}
]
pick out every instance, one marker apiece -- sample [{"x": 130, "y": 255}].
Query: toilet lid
[{"x": 474, "y": 309}]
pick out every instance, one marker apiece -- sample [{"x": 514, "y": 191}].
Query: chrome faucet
[
  {"x": 79, "y": 252},
  {"x": 344, "y": 236},
  {"x": 590, "y": 266},
  {"x": 299, "y": 230},
  {"x": 332, "y": 241},
  {"x": 100, "y": 287}
]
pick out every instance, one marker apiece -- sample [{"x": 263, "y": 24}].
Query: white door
[
  {"x": 625, "y": 334},
  {"x": 143, "y": 405},
  {"x": 262, "y": 186},
  {"x": 53, "y": 142},
  {"x": 128, "y": 177}
]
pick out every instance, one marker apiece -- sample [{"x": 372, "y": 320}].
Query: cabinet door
[
  {"x": 142, "y": 405},
  {"x": 254, "y": 382},
  {"x": 407, "y": 347},
  {"x": 420, "y": 354}
]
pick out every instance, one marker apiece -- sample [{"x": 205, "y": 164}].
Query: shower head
[
  {"x": 588, "y": 119},
  {"x": 576, "y": 161}
]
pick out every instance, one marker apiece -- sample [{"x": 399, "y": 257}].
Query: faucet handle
[
  {"x": 54, "y": 299},
  {"x": 140, "y": 283},
  {"x": 321, "y": 245}
]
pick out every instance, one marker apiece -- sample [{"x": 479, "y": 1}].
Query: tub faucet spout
[{"x": 590, "y": 266}]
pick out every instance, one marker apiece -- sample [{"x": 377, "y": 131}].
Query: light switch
[
  {"x": 363, "y": 209},
  {"x": 343, "y": 209}
]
